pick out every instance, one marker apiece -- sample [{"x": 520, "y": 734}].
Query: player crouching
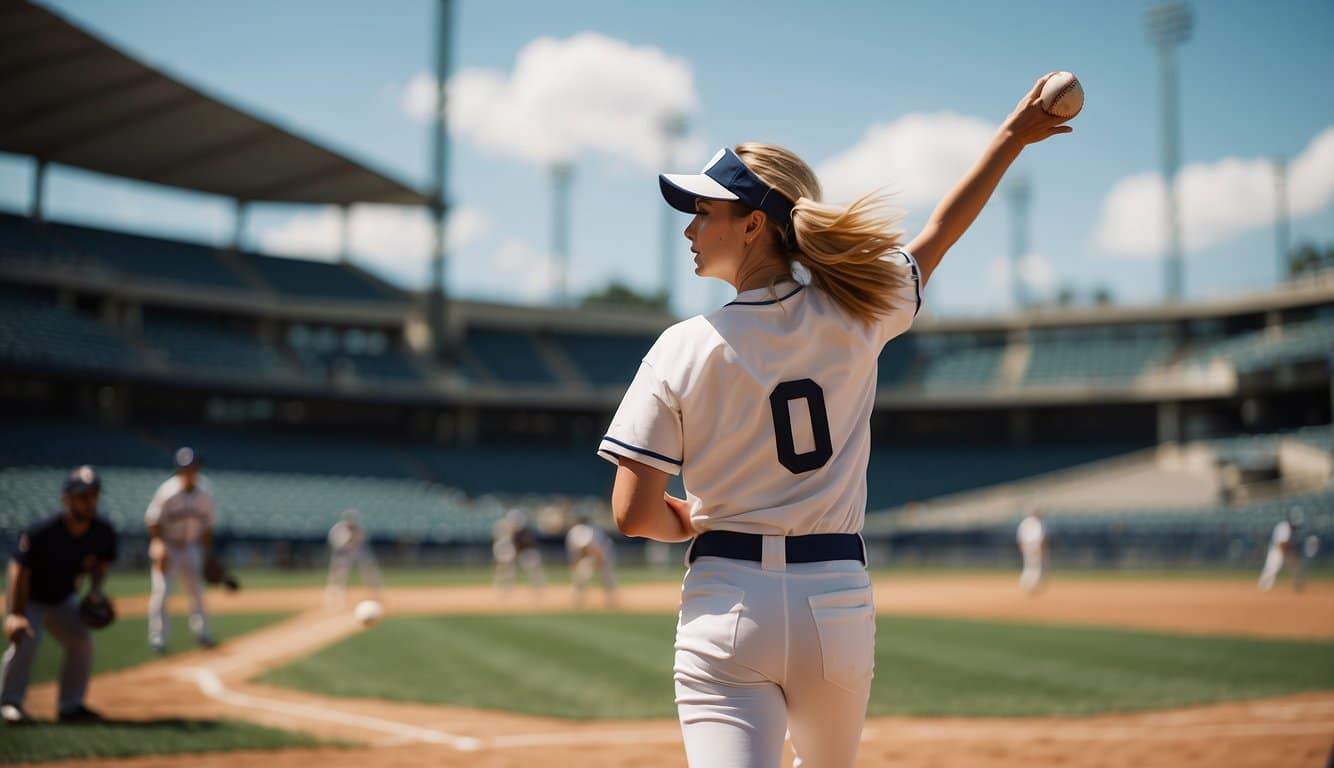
[
  {"x": 589, "y": 549},
  {"x": 43, "y": 574}
]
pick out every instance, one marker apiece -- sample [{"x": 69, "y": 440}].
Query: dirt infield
[{"x": 1289, "y": 731}]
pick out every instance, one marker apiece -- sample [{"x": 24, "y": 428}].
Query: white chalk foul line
[{"x": 212, "y": 686}]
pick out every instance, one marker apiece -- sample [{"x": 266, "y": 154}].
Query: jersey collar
[{"x": 761, "y": 296}]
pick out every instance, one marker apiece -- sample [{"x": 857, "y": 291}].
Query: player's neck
[{"x": 74, "y": 525}]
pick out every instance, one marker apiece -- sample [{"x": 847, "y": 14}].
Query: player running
[
  {"x": 348, "y": 547},
  {"x": 589, "y": 549},
  {"x": 180, "y": 530},
  {"x": 41, "y": 594},
  {"x": 764, "y": 405},
  {"x": 1282, "y": 542}
]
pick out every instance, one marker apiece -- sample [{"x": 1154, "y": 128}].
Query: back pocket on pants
[
  {"x": 846, "y": 623},
  {"x": 708, "y": 621}
]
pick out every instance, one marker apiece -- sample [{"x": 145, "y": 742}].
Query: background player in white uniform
[
  {"x": 590, "y": 551},
  {"x": 1282, "y": 541},
  {"x": 514, "y": 545},
  {"x": 764, "y": 407},
  {"x": 1032, "y": 538},
  {"x": 348, "y": 547},
  {"x": 180, "y": 529}
]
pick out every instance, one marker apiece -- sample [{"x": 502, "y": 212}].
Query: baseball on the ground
[
  {"x": 367, "y": 612},
  {"x": 1062, "y": 95}
]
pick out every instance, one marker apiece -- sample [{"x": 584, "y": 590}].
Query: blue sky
[{"x": 813, "y": 78}]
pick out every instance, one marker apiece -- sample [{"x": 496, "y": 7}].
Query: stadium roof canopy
[{"x": 68, "y": 97}]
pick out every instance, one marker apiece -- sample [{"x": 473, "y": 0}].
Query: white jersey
[
  {"x": 1282, "y": 534},
  {"x": 1031, "y": 533},
  {"x": 584, "y": 536},
  {"x": 345, "y": 536},
  {"x": 183, "y": 516},
  {"x": 764, "y": 408}
]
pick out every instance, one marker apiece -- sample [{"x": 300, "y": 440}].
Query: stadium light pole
[
  {"x": 1021, "y": 194},
  {"x": 1169, "y": 25},
  {"x": 436, "y": 298},
  {"x": 562, "y": 173},
  {"x": 1281, "y": 222},
  {"x": 673, "y": 128}
]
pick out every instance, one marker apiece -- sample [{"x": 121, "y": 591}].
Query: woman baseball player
[{"x": 764, "y": 405}]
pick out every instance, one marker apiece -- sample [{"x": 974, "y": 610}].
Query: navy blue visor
[{"x": 726, "y": 178}]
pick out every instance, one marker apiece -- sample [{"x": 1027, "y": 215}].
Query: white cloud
[
  {"x": 583, "y": 93},
  {"x": 395, "y": 240},
  {"x": 1218, "y": 201},
  {"x": 918, "y": 158},
  {"x": 526, "y": 273},
  {"x": 1035, "y": 271}
]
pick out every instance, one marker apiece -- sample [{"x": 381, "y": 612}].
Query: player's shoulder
[
  {"x": 102, "y": 527},
  {"x": 205, "y": 485},
  {"x": 681, "y": 341},
  {"x": 43, "y": 526},
  {"x": 170, "y": 486}
]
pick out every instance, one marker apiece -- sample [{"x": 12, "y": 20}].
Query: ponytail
[{"x": 841, "y": 247}]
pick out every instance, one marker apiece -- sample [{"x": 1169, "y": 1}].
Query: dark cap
[
  {"x": 186, "y": 457},
  {"x": 82, "y": 480},
  {"x": 726, "y": 177}
]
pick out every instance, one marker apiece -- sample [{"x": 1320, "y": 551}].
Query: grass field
[
  {"x": 125, "y": 643},
  {"x": 619, "y": 666},
  {"x": 46, "y": 742}
]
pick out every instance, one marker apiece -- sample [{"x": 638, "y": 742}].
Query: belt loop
[{"x": 773, "y": 555}]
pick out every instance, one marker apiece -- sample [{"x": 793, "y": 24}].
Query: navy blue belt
[{"x": 811, "y": 548}]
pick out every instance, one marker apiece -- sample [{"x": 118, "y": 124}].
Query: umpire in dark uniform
[{"x": 43, "y": 572}]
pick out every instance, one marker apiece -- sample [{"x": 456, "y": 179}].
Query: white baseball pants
[
  {"x": 1031, "y": 577},
  {"x": 1273, "y": 564},
  {"x": 768, "y": 649},
  {"x": 340, "y": 567},
  {"x": 184, "y": 563}
]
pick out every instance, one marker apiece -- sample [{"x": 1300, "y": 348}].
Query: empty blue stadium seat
[
  {"x": 511, "y": 357},
  {"x": 605, "y": 359}
]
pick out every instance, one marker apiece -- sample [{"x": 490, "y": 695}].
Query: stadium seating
[
  {"x": 34, "y": 331},
  {"x": 315, "y": 279},
  {"x": 147, "y": 258},
  {"x": 210, "y": 347},
  {"x": 1074, "y": 355},
  {"x": 895, "y": 363},
  {"x": 510, "y": 357},
  {"x": 1259, "y": 350},
  {"x": 976, "y": 368},
  {"x": 604, "y": 359}
]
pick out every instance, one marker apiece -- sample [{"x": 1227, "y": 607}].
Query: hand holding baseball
[{"x": 1031, "y": 122}]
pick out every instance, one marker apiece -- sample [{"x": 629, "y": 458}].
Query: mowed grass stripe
[
  {"x": 537, "y": 664},
  {"x": 45, "y": 741},
  {"x": 619, "y": 666}
]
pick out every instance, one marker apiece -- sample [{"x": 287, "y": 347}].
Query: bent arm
[{"x": 642, "y": 507}]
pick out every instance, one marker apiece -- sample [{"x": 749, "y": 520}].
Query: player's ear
[{"x": 754, "y": 224}]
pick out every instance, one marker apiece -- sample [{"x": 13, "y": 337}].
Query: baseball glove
[
  {"x": 96, "y": 610},
  {"x": 216, "y": 573}
]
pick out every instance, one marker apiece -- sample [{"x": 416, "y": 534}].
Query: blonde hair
[{"x": 841, "y": 247}]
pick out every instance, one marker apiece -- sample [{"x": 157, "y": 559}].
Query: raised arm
[{"x": 1027, "y": 124}]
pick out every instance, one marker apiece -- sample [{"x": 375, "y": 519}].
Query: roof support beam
[{"x": 57, "y": 59}]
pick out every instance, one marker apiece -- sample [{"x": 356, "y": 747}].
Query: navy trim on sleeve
[
  {"x": 794, "y": 292},
  {"x": 644, "y": 451}
]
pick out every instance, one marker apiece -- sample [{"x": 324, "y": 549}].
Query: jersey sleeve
[
  {"x": 647, "y": 425},
  {"x": 907, "y": 302},
  {"x": 153, "y": 515},
  {"x": 23, "y": 554}
]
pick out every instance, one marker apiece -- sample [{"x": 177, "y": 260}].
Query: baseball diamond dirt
[{"x": 1293, "y": 730}]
